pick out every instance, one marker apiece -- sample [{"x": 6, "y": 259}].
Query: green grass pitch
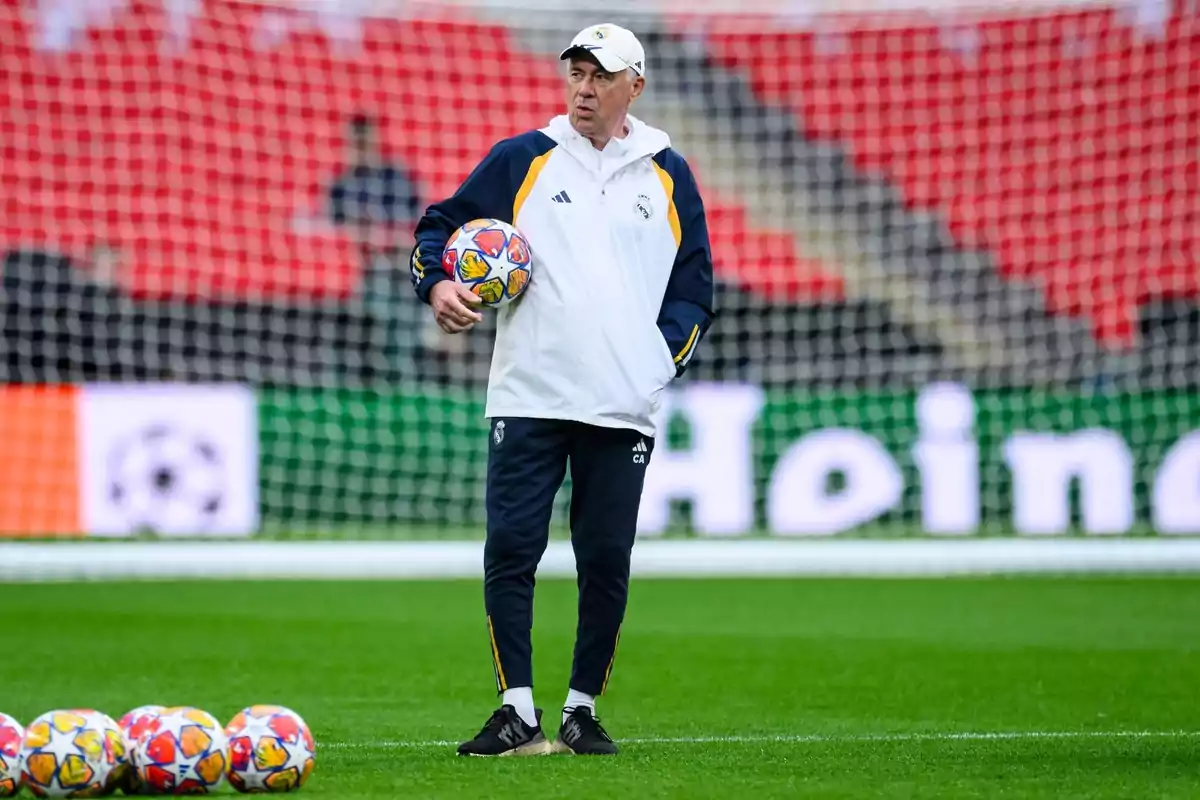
[{"x": 1054, "y": 688}]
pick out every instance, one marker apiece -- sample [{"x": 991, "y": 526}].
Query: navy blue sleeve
[
  {"x": 490, "y": 192},
  {"x": 688, "y": 306}
]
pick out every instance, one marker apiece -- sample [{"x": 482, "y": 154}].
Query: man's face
[
  {"x": 597, "y": 100},
  {"x": 362, "y": 143}
]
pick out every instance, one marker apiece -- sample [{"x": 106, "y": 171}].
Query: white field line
[
  {"x": 816, "y": 738},
  {"x": 780, "y": 557}
]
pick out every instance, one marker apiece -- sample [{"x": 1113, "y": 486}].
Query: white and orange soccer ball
[
  {"x": 133, "y": 724},
  {"x": 271, "y": 749},
  {"x": 72, "y": 753},
  {"x": 183, "y": 750},
  {"x": 491, "y": 258},
  {"x": 12, "y": 735}
]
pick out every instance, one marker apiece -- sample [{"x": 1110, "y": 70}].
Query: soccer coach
[{"x": 621, "y": 293}]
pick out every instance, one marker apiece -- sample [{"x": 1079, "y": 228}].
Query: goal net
[{"x": 957, "y": 249}]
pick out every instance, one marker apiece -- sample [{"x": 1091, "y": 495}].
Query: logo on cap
[{"x": 600, "y": 33}]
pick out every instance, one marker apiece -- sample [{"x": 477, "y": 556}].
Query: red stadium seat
[
  {"x": 1068, "y": 145},
  {"x": 206, "y": 165}
]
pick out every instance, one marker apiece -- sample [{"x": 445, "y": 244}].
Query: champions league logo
[{"x": 164, "y": 480}]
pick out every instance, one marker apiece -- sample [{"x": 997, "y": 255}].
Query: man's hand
[{"x": 453, "y": 305}]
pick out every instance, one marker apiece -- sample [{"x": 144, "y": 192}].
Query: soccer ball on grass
[
  {"x": 73, "y": 753},
  {"x": 11, "y": 737},
  {"x": 183, "y": 751},
  {"x": 133, "y": 725},
  {"x": 270, "y": 750},
  {"x": 491, "y": 258}
]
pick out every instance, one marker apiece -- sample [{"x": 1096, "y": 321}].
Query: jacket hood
[{"x": 643, "y": 141}]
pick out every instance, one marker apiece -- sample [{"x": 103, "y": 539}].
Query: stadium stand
[
  {"x": 205, "y": 178},
  {"x": 1064, "y": 144},
  {"x": 877, "y": 186},
  {"x": 212, "y": 190}
]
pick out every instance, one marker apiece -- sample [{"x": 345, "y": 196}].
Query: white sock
[
  {"x": 579, "y": 699},
  {"x": 521, "y": 698}
]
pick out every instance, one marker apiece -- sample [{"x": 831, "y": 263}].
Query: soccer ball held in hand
[{"x": 491, "y": 258}]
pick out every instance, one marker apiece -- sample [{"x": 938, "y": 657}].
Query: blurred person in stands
[
  {"x": 621, "y": 293},
  {"x": 378, "y": 201},
  {"x": 371, "y": 190}
]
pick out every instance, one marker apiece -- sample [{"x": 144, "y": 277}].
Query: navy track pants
[{"x": 527, "y": 462}]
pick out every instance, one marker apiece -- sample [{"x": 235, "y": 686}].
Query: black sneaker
[
  {"x": 506, "y": 734},
  {"x": 583, "y": 735}
]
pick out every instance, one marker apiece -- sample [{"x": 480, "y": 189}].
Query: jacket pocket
[{"x": 667, "y": 358}]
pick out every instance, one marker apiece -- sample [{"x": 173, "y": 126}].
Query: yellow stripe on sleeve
[
  {"x": 535, "y": 169},
  {"x": 687, "y": 348},
  {"x": 672, "y": 212}
]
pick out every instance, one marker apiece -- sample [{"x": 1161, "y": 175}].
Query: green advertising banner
[{"x": 734, "y": 461}]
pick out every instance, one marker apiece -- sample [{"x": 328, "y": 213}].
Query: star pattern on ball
[
  {"x": 269, "y": 751},
  {"x": 59, "y": 762},
  {"x": 298, "y": 755},
  {"x": 252, "y": 776},
  {"x": 61, "y": 745},
  {"x": 185, "y": 746},
  {"x": 184, "y": 768},
  {"x": 253, "y": 779},
  {"x": 257, "y": 732}
]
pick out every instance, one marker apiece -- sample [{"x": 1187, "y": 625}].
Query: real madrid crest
[
  {"x": 643, "y": 207},
  {"x": 599, "y": 33},
  {"x": 498, "y": 433}
]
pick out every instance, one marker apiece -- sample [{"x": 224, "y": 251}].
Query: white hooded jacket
[{"x": 621, "y": 288}]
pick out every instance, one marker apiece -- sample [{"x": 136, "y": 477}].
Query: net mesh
[{"x": 949, "y": 231}]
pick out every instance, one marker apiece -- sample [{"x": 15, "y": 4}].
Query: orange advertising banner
[{"x": 39, "y": 461}]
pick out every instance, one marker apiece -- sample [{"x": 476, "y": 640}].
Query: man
[
  {"x": 621, "y": 293},
  {"x": 371, "y": 191},
  {"x": 378, "y": 201}
]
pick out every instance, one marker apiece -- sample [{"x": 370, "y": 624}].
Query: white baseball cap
[{"x": 616, "y": 48}]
